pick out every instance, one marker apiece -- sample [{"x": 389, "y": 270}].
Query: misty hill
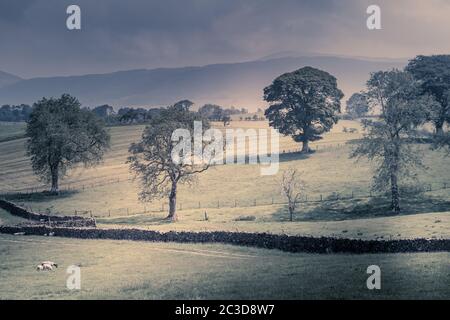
[
  {"x": 238, "y": 84},
  {"x": 7, "y": 79}
]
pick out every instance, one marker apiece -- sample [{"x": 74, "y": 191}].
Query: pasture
[
  {"x": 234, "y": 198},
  {"x": 139, "y": 270},
  {"x": 238, "y": 198},
  {"x": 11, "y": 130}
]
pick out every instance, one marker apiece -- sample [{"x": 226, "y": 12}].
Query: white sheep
[
  {"x": 46, "y": 265},
  {"x": 51, "y": 263}
]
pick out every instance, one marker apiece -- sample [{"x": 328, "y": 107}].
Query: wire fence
[{"x": 314, "y": 199}]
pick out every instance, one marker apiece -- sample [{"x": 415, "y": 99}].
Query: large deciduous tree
[
  {"x": 152, "y": 159},
  {"x": 387, "y": 141},
  {"x": 433, "y": 73},
  {"x": 61, "y": 135},
  {"x": 304, "y": 104}
]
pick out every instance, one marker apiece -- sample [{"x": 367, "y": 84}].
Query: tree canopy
[
  {"x": 387, "y": 141},
  {"x": 61, "y": 135},
  {"x": 304, "y": 104},
  {"x": 357, "y": 105},
  {"x": 433, "y": 74}
]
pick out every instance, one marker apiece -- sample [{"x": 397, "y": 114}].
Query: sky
[{"x": 132, "y": 34}]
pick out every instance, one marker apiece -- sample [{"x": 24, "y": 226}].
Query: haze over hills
[
  {"x": 7, "y": 79},
  {"x": 237, "y": 84}
]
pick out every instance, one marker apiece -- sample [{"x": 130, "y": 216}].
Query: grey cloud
[{"x": 121, "y": 34}]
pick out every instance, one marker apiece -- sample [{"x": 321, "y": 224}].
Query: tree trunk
[
  {"x": 55, "y": 187},
  {"x": 439, "y": 128},
  {"x": 395, "y": 204},
  {"x": 173, "y": 203},
  {"x": 305, "y": 147},
  {"x": 291, "y": 213},
  {"x": 395, "y": 196}
]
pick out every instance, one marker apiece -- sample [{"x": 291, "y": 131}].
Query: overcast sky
[{"x": 129, "y": 34}]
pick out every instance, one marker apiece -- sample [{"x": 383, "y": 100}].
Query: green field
[
  {"x": 229, "y": 194},
  {"x": 139, "y": 270},
  {"x": 235, "y": 198},
  {"x": 11, "y": 130}
]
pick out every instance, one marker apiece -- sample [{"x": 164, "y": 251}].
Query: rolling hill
[
  {"x": 238, "y": 84},
  {"x": 7, "y": 79}
]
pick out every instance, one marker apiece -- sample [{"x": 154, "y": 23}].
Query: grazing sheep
[
  {"x": 51, "y": 263},
  {"x": 46, "y": 265}
]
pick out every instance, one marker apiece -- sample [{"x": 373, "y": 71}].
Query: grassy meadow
[
  {"x": 238, "y": 198},
  {"x": 11, "y": 130},
  {"x": 139, "y": 270},
  {"x": 234, "y": 198}
]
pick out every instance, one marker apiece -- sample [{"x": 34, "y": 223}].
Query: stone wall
[
  {"x": 71, "y": 221},
  {"x": 259, "y": 240}
]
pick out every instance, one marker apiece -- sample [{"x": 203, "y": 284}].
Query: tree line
[
  {"x": 15, "y": 113},
  {"x": 303, "y": 104},
  {"x": 127, "y": 115}
]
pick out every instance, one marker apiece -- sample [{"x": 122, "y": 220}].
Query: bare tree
[
  {"x": 151, "y": 158},
  {"x": 292, "y": 187}
]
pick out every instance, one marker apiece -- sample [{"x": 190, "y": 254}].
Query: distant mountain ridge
[
  {"x": 8, "y": 78},
  {"x": 238, "y": 84}
]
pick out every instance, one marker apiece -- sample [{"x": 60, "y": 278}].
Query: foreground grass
[{"x": 138, "y": 270}]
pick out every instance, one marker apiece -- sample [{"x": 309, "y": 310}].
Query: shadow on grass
[
  {"x": 293, "y": 156},
  {"x": 136, "y": 220},
  {"x": 39, "y": 196},
  {"x": 339, "y": 210}
]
